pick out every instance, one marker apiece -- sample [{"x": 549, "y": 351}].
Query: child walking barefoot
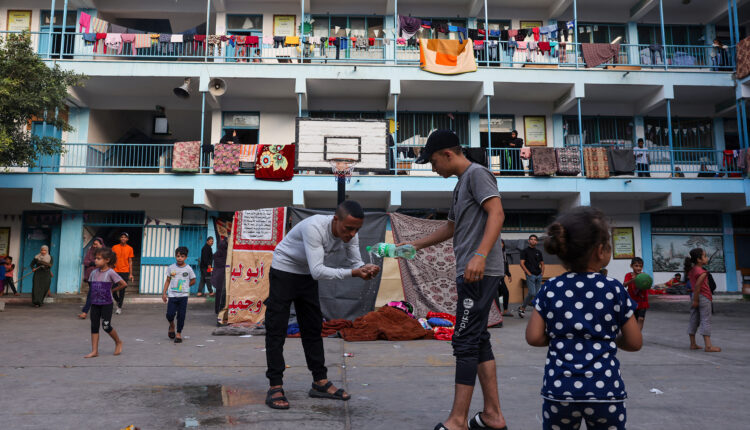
[
  {"x": 101, "y": 283},
  {"x": 583, "y": 317},
  {"x": 180, "y": 277},
  {"x": 700, "y": 312}
]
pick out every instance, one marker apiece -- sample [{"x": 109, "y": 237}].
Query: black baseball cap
[
  {"x": 438, "y": 139},
  {"x": 124, "y": 234}
]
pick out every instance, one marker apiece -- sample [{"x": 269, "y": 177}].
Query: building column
[
  {"x": 647, "y": 252},
  {"x": 558, "y": 131},
  {"x": 632, "y": 32},
  {"x": 639, "y": 129},
  {"x": 71, "y": 244},
  {"x": 718, "y": 131},
  {"x": 729, "y": 260},
  {"x": 474, "y": 130},
  {"x": 76, "y": 155}
]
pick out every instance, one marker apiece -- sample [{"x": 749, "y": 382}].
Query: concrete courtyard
[{"x": 218, "y": 382}]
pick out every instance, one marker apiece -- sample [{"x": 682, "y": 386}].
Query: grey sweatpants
[{"x": 700, "y": 316}]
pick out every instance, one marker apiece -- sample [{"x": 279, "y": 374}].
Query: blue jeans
[
  {"x": 534, "y": 283},
  {"x": 177, "y": 305}
]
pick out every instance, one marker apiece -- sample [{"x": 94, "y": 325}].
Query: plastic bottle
[{"x": 390, "y": 250}]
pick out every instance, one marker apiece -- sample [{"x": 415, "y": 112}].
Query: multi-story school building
[{"x": 663, "y": 78}]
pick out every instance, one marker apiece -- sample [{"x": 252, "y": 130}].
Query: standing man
[
  {"x": 123, "y": 267},
  {"x": 206, "y": 266},
  {"x": 296, "y": 268},
  {"x": 474, "y": 222},
  {"x": 641, "y": 160},
  {"x": 532, "y": 264}
]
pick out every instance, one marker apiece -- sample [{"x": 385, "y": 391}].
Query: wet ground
[{"x": 217, "y": 382}]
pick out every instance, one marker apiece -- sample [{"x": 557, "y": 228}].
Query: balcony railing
[
  {"x": 379, "y": 51},
  {"x": 95, "y": 158}
]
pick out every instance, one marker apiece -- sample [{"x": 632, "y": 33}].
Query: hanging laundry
[
  {"x": 512, "y": 34},
  {"x": 113, "y": 42},
  {"x": 176, "y": 38},
  {"x": 452, "y": 28},
  {"x": 535, "y": 30},
  {"x": 85, "y": 22},
  {"x": 401, "y": 41},
  {"x": 544, "y": 47},
  {"x": 89, "y": 38},
  {"x": 408, "y": 26},
  {"x": 441, "y": 27},
  {"x": 447, "y": 57},
  {"x": 252, "y": 41},
  {"x": 278, "y": 41},
  {"x": 199, "y": 40},
  {"x": 463, "y": 31},
  {"x": 267, "y": 40},
  {"x": 165, "y": 43},
  {"x": 214, "y": 40},
  {"x": 102, "y": 37},
  {"x": 426, "y": 24},
  {"x": 570, "y": 24},
  {"x": 595, "y": 54},
  {"x": 291, "y": 41},
  {"x": 99, "y": 25},
  {"x": 129, "y": 38},
  {"x": 142, "y": 41},
  {"x": 371, "y": 41},
  {"x": 362, "y": 44}
]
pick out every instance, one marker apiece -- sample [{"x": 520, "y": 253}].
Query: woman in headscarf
[
  {"x": 218, "y": 276},
  {"x": 88, "y": 267},
  {"x": 42, "y": 268}
]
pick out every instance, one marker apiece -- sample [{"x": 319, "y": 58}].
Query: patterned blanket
[{"x": 429, "y": 279}]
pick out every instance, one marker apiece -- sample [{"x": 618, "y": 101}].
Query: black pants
[
  {"x": 643, "y": 170},
  {"x": 177, "y": 305},
  {"x": 9, "y": 283},
  {"x": 217, "y": 279},
  {"x": 119, "y": 295},
  {"x": 302, "y": 290},
  {"x": 471, "y": 340},
  {"x": 205, "y": 280},
  {"x": 502, "y": 291},
  {"x": 101, "y": 313}
]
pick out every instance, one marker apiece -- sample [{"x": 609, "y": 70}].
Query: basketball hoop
[{"x": 343, "y": 168}]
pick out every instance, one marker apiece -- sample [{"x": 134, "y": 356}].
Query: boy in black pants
[{"x": 180, "y": 277}]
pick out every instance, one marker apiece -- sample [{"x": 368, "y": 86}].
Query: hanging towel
[
  {"x": 446, "y": 56},
  {"x": 129, "y": 38},
  {"x": 85, "y": 22},
  {"x": 252, "y": 41},
  {"x": 176, "y": 38},
  {"x": 621, "y": 161},
  {"x": 291, "y": 41},
  {"x": 535, "y": 30},
  {"x": 595, "y": 54},
  {"x": 544, "y": 47},
  {"x": 113, "y": 42},
  {"x": 142, "y": 41},
  {"x": 99, "y": 25}
]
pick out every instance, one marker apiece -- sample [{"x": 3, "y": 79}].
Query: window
[
  {"x": 413, "y": 125},
  {"x": 494, "y": 24},
  {"x": 240, "y": 24},
  {"x": 70, "y": 19},
  {"x": 246, "y": 124},
  {"x": 690, "y": 222},
  {"x": 687, "y": 133},
  {"x": 527, "y": 221},
  {"x": 336, "y": 26},
  {"x": 675, "y": 34},
  {"x": 502, "y": 126},
  {"x": 599, "y": 130},
  {"x": 347, "y": 115},
  {"x": 602, "y": 33}
]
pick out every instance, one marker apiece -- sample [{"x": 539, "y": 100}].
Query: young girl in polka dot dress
[{"x": 583, "y": 316}]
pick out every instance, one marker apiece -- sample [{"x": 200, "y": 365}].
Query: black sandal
[
  {"x": 477, "y": 423},
  {"x": 321, "y": 392},
  {"x": 178, "y": 340},
  {"x": 271, "y": 401},
  {"x": 171, "y": 334}
]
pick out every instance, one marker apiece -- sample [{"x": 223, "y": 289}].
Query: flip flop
[
  {"x": 477, "y": 423},
  {"x": 271, "y": 401},
  {"x": 178, "y": 340},
  {"x": 321, "y": 392},
  {"x": 171, "y": 334}
]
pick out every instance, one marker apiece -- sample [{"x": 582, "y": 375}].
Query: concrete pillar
[
  {"x": 69, "y": 267},
  {"x": 639, "y": 129},
  {"x": 729, "y": 263},
  {"x": 647, "y": 252},
  {"x": 718, "y": 131},
  {"x": 474, "y": 139},
  {"x": 558, "y": 132},
  {"x": 633, "y": 51}
]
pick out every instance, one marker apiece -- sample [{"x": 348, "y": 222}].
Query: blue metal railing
[
  {"x": 157, "y": 158},
  {"x": 492, "y": 54}
]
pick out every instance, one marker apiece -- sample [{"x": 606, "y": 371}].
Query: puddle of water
[{"x": 198, "y": 395}]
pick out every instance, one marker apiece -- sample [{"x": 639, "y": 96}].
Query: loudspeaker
[
  {"x": 183, "y": 91},
  {"x": 217, "y": 87}
]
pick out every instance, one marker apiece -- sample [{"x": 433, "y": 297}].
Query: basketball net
[{"x": 342, "y": 168}]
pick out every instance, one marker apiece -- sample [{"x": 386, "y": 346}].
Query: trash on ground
[
  {"x": 656, "y": 391},
  {"x": 246, "y": 335},
  {"x": 348, "y": 354}
]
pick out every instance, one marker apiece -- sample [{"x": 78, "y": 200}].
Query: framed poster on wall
[
  {"x": 19, "y": 20},
  {"x": 284, "y": 25},
  {"x": 670, "y": 251},
  {"x": 530, "y": 24},
  {"x": 535, "y": 130},
  {"x": 623, "y": 243},
  {"x": 4, "y": 240}
]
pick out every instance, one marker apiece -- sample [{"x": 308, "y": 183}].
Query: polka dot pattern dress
[{"x": 583, "y": 314}]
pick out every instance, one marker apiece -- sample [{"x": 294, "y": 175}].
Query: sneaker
[
  {"x": 118, "y": 311},
  {"x": 521, "y": 313}
]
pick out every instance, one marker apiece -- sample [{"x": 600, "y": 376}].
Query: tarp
[
  {"x": 430, "y": 278},
  {"x": 353, "y": 297}
]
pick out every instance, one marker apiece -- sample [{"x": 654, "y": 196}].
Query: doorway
[{"x": 38, "y": 229}]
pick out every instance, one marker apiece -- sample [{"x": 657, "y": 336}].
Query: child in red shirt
[
  {"x": 700, "y": 312},
  {"x": 638, "y": 296}
]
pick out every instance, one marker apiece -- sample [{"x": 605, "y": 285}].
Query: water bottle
[{"x": 390, "y": 250}]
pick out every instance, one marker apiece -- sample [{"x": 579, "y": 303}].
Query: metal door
[{"x": 159, "y": 245}]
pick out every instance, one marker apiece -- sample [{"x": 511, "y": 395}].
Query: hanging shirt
[{"x": 84, "y": 22}]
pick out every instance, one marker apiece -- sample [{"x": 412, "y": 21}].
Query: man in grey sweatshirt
[{"x": 298, "y": 264}]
